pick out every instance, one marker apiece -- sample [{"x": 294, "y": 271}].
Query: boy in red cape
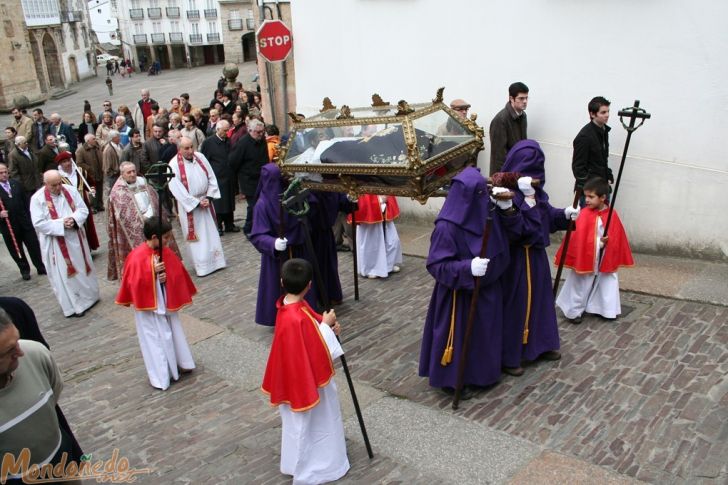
[
  {"x": 164, "y": 346},
  {"x": 299, "y": 380},
  {"x": 580, "y": 293}
]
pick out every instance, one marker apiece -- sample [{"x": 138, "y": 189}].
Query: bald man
[
  {"x": 58, "y": 213},
  {"x": 194, "y": 185}
]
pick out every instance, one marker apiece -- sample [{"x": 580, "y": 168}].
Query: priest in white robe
[
  {"x": 58, "y": 213},
  {"x": 193, "y": 185}
]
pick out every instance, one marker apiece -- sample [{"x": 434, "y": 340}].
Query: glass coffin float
[{"x": 405, "y": 150}]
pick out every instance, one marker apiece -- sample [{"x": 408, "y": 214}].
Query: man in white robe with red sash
[
  {"x": 193, "y": 185},
  {"x": 58, "y": 213}
]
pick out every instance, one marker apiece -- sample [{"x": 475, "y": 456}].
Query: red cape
[
  {"x": 370, "y": 212},
  {"x": 299, "y": 361},
  {"x": 138, "y": 285},
  {"x": 581, "y": 256}
]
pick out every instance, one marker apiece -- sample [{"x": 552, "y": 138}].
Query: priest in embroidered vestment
[
  {"x": 58, "y": 213},
  {"x": 193, "y": 185},
  {"x": 132, "y": 201}
]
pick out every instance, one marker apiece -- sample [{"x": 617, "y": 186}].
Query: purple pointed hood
[{"x": 527, "y": 158}]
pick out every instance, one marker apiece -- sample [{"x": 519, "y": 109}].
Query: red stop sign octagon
[{"x": 274, "y": 40}]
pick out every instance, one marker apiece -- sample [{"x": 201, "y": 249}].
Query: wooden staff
[
  {"x": 354, "y": 257},
  {"x": 10, "y": 229},
  {"x": 471, "y": 318},
  {"x": 572, "y": 224}
]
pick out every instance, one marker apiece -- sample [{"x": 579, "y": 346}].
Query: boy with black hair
[
  {"x": 581, "y": 293},
  {"x": 299, "y": 380},
  {"x": 158, "y": 290}
]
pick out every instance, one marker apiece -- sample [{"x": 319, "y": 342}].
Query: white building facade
[
  {"x": 178, "y": 33},
  {"x": 103, "y": 21},
  {"x": 670, "y": 55}
]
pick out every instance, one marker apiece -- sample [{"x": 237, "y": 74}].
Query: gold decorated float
[{"x": 410, "y": 150}]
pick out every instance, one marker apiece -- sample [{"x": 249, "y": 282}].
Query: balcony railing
[
  {"x": 250, "y": 23},
  {"x": 193, "y": 14},
  {"x": 157, "y": 38},
  {"x": 173, "y": 12},
  {"x": 213, "y": 38},
  {"x": 71, "y": 16},
  {"x": 235, "y": 24},
  {"x": 140, "y": 38},
  {"x": 195, "y": 38},
  {"x": 210, "y": 13},
  {"x": 136, "y": 13},
  {"x": 154, "y": 13},
  {"x": 176, "y": 38}
]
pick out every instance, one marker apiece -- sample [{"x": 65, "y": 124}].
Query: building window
[
  {"x": 192, "y": 4},
  {"x": 210, "y": 4},
  {"x": 212, "y": 27},
  {"x": 138, "y": 28},
  {"x": 174, "y": 25},
  {"x": 234, "y": 14},
  {"x": 195, "y": 28},
  {"x": 154, "y": 3},
  {"x": 156, "y": 27}
]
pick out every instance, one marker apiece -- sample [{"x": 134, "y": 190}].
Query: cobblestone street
[{"x": 644, "y": 398}]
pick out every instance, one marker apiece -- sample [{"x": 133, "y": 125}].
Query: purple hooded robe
[
  {"x": 322, "y": 216},
  {"x": 456, "y": 240},
  {"x": 265, "y": 231},
  {"x": 529, "y": 265}
]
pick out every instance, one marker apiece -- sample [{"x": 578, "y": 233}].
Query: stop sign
[{"x": 274, "y": 40}]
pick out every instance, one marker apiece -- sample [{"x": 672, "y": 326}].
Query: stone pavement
[{"x": 644, "y": 398}]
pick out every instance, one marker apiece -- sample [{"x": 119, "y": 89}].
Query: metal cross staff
[
  {"x": 634, "y": 113},
  {"x": 159, "y": 176}
]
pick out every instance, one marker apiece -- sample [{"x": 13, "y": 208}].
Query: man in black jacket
[
  {"x": 247, "y": 158},
  {"x": 14, "y": 211},
  {"x": 591, "y": 145},
  {"x": 509, "y": 125},
  {"x": 216, "y": 149}
]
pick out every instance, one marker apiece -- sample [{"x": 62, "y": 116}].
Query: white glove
[
  {"x": 281, "y": 244},
  {"x": 571, "y": 213},
  {"x": 524, "y": 185},
  {"x": 383, "y": 206},
  {"x": 478, "y": 266},
  {"x": 502, "y": 204}
]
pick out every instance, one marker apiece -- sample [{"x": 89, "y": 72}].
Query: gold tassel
[
  {"x": 528, "y": 303},
  {"x": 447, "y": 354}
]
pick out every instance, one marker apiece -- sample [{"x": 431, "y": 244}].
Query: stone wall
[{"x": 17, "y": 69}]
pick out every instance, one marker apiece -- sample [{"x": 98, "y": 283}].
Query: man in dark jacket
[
  {"x": 591, "y": 145},
  {"x": 47, "y": 154},
  {"x": 217, "y": 151},
  {"x": 63, "y": 131},
  {"x": 41, "y": 127},
  {"x": 247, "y": 158},
  {"x": 509, "y": 126},
  {"x": 24, "y": 167},
  {"x": 20, "y": 230}
]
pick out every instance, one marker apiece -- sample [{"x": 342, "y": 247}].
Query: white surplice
[
  {"x": 163, "y": 343},
  {"x": 580, "y": 294},
  {"x": 313, "y": 446},
  {"x": 78, "y": 292},
  {"x": 206, "y": 253},
  {"x": 375, "y": 256}
]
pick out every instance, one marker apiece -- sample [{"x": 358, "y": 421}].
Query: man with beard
[
  {"x": 217, "y": 150},
  {"x": 23, "y": 124},
  {"x": 134, "y": 151},
  {"x": 247, "y": 158}
]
